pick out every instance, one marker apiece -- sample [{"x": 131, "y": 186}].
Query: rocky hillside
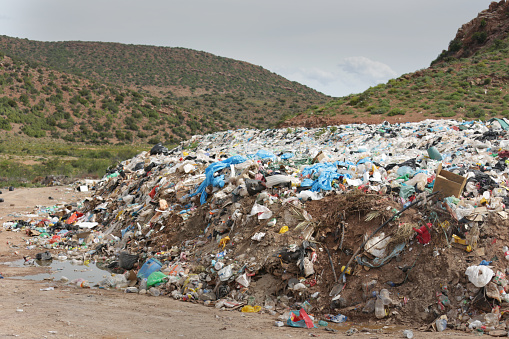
[
  {"x": 489, "y": 29},
  {"x": 467, "y": 81},
  {"x": 237, "y": 93}
]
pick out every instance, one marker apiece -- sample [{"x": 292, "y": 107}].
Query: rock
[{"x": 498, "y": 333}]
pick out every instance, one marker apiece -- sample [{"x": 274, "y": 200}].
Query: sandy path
[{"x": 71, "y": 312}]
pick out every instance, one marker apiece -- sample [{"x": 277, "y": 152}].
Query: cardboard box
[{"x": 448, "y": 183}]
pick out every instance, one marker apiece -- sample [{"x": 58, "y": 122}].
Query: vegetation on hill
[
  {"x": 467, "y": 81},
  {"x": 216, "y": 93},
  {"x": 38, "y": 102}
]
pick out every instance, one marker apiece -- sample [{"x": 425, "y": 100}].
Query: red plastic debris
[{"x": 423, "y": 235}]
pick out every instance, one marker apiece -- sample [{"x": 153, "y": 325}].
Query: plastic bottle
[
  {"x": 83, "y": 284},
  {"x": 506, "y": 252},
  {"x": 143, "y": 284},
  {"x": 444, "y": 300},
  {"x": 441, "y": 324},
  {"x": 379, "y": 308},
  {"x": 384, "y": 294},
  {"x": 155, "y": 292}
]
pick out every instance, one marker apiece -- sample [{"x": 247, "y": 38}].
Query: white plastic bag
[
  {"x": 225, "y": 273},
  {"x": 262, "y": 212},
  {"x": 243, "y": 279},
  {"x": 377, "y": 245},
  {"x": 480, "y": 276},
  {"x": 258, "y": 236},
  {"x": 306, "y": 195}
]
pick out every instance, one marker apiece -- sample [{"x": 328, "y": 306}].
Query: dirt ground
[{"x": 27, "y": 311}]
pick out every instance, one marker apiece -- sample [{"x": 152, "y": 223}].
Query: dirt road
[{"x": 29, "y": 311}]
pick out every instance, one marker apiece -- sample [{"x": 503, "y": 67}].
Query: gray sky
[{"x": 337, "y": 47}]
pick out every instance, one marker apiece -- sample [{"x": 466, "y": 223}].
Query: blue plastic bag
[
  {"x": 211, "y": 180},
  {"x": 326, "y": 171},
  {"x": 263, "y": 154}
]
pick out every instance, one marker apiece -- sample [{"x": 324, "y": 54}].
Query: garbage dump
[{"x": 399, "y": 223}]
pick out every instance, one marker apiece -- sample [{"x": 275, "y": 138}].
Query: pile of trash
[{"x": 404, "y": 222}]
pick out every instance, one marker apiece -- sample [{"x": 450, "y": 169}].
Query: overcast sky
[{"x": 335, "y": 46}]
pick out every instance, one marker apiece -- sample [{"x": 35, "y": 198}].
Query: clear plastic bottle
[
  {"x": 379, "y": 308},
  {"x": 143, "y": 284},
  {"x": 384, "y": 294},
  {"x": 506, "y": 252}
]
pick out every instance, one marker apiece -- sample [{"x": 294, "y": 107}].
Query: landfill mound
[{"x": 403, "y": 223}]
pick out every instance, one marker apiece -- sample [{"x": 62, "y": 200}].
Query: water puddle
[{"x": 94, "y": 272}]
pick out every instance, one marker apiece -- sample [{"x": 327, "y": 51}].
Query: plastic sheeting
[{"x": 211, "y": 180}]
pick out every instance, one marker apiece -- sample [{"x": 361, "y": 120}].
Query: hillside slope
[
  {"x": 38, "y": 102},
  {"x": 467, "y": 81},
  {"x": 242, "y": 94}
]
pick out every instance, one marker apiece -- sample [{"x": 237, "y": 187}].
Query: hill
[
  {"x": 467, "y": 81},
  {"x": 39, "y": 102},
  {"x": 236, "y": 93}
]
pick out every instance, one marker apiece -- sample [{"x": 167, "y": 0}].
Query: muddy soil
[{"x": 29, "y": 311}]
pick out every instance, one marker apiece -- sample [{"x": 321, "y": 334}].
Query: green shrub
[
  {"x": 475, "y": 112},
  {"x": 447, "y": 114},
  {"x": 480, "y": 37},
  {"x": 396, "y": 111},
  {"x": 379, "y": 110}
]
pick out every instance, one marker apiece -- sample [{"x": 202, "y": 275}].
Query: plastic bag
[
  {"x": 480, "y": 276},
  {"x": 406, "y": 191},
  {"x": 423, "y": 235},
  {"x": 251, "y": 309},
  {"x": 244, "y": 280},
  {"x": 119, "y": 281},
  {"x": 209, "y": 175},
  {"x": 262, "y": 211},
  {"x": 404, "y": 170},
  {"x": 156, "y": 278},
  {"x": 258, "y": 236},
  {"x": 127, "y": 261},
  {"x": 158, "y": 149},
  {"x": 263, "y": 154},
  {"x": 306, "y": 195},
  {"x": 326, "y": 172},
  {"x": 340, "y": 318},
  {"x": 225, "y": 273},
  {"x": 300, "y": 319},
  {"x": 376, "y": 246}
]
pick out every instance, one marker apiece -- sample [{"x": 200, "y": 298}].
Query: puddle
[{"x": 93, "y": 272}]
